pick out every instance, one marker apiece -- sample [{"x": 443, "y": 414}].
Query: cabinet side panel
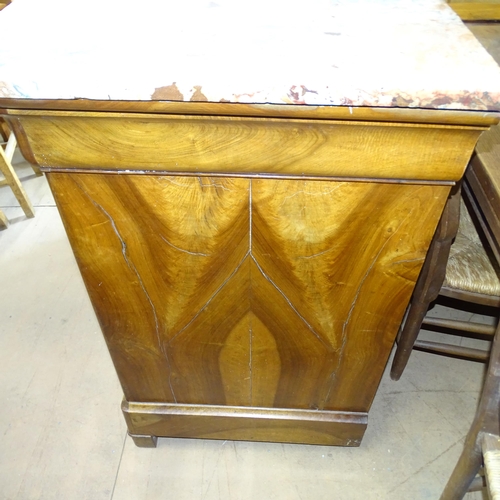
[
  {"x": 153, "y": 252},
  {"x": 261, "y": 293},
  {"x": 346, "y": 257}
]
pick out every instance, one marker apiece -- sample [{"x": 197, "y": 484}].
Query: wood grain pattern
[
  {"x": 401, "y": 115},
  {"x": 257, "y": 293},
  {"x": 328, "y": 247},
  {"x": 230, "y": 303},
  {"x": 248, "y": 145},
  {"x": 247, "y": 424}
]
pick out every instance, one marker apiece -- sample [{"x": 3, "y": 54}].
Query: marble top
[{"x": 392, "y": 53}]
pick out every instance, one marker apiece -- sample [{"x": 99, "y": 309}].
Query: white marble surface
[{"x": 407, "y": 53}]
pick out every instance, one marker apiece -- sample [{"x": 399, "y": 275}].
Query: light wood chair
[{"x": 7, "y": 148}]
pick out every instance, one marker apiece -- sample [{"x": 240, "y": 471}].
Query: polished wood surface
[
  {"x": 249, "y": 274},
  {"x": 468, "y": 277},
  {"x": 243, "y": 423},
  {"x": 174, "y": 143},
  {"x": 381, "y": 114},
  {"x": 248, "y": 292},
  {"x": 482, "y": 186}
]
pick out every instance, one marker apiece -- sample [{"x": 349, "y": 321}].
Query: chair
[
  {"x": 481, "y": 191},
  {"x": 462, "y": 271},
  {"x": 482, "y": 444},
  {"x": 482, "y": 441},
  {"x": 7, "y": 147}
]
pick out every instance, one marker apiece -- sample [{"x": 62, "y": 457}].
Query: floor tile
[{"x": 62, "y": 431}]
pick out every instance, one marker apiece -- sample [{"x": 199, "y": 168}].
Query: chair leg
[
  {"x": 408, "y": 336},
  {"x": 15, "y": 184},
  {"x": 486, "y": 421},
  {"x": 465, "y": 471},
  {"x": 4, "y": 130},
  {"x": 428, "y": 284},
  {"x": 3, "y": 221}
]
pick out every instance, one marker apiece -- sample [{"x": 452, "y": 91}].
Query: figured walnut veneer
[
  {"x": 262, "y": 293},
  {"x": 245, "y": 145},
  {"x": 235, "y": 305}
]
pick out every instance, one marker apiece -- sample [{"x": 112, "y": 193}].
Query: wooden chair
[
  {"x": 462, "y": 271},
  {"x": 482, "y": 444},
  {"x": 8, "y": 145},
  {"x": 481, "y": 190}
]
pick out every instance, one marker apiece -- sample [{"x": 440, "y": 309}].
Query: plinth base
[{"x": 150, "y": 420}]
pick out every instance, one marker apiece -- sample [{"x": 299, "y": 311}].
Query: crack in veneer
[{"x": 133, "y": 268}]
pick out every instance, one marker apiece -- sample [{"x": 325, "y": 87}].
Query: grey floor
[{"x": 63, "y": 435}]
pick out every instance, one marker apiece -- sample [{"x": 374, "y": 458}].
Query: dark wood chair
[
  {"x": 462, "y": 271},
  {"x": 482, "y": 444},
  {"x": 465, "y": 274},
  {"x": 481, "y": 191}
]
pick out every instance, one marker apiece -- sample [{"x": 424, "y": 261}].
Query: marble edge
[{"x": 299, "y": 95}]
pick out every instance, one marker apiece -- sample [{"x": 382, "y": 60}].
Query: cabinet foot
[{"x": 143, "y": 440}]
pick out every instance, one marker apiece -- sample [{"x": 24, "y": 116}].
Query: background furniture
[
  {"x": 11, "y": 178},
  {"x": 482, "y": 442},
  {"x": 465, "y": 274},
  {"x": 468, "y": 274}
]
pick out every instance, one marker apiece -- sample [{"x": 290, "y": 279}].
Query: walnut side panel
[
  {"x": 343, "y": 258},
  {"x": 153, "y": 252},
  {"x": 255, "y": 293},
  {"x": 111, "y": 141},
  {"x": 245, "y": 424}
]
